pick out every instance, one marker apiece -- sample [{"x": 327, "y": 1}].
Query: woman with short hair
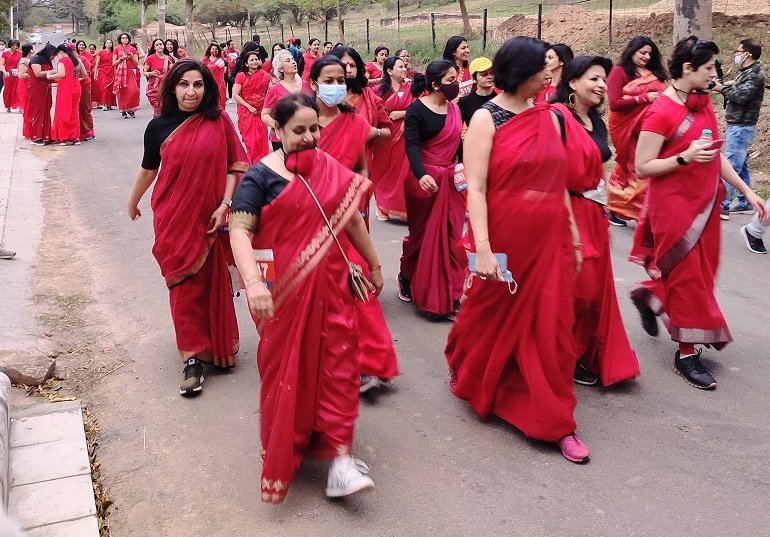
[
  {"x": 193, "y": 155},
  {"x": 249, "y": 91},
  {"x": 156, "y": 65},
  {"x": 213, "y": 59},
  {"x": 302, "y": 206},
  {"x": 126, "y": 88},
  {"x": 289, "y": 82},
  {"x": 677, "y": 239}
]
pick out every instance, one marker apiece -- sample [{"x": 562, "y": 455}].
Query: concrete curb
[{"x": 5, "y": 435}]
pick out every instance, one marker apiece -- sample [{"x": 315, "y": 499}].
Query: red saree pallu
[
  {"x": 601, "y": 342},
  {"x": 217, "y": 67},
  {"x": 309, "y": 61},
  {"x": 86, "y": 106},
  {"x": 105, "y": 76},
  {"x": 253, "y": 130},
  {"x": 625, "y": 190},
  {"x": 513, "y": 355},
  {"x": 162, "y": 65},
  {"x": 95, "y": 96},
  {"x": 369, "y": 106},
  {"x": 678, "y": 237},
  {"x": 196, "y": 158},
  {"x": 390, "y": 167},
  {"x": 125, "y": 85},
  {"x": 66, "y": 117},
  {"x": 39, "y": 102},
  {"x": 11, "y": 97},
  {"x": 307, "y": 350},
  {"x": 343, "y": 139},
  {"x": 433, "y": 259}
]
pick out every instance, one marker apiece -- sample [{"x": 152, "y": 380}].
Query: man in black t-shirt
[{"x": 483, "y": 89}]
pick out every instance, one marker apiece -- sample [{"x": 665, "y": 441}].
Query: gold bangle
[
  {"x": 482, "y": 240},
  {"x": 378, "y": 267}
]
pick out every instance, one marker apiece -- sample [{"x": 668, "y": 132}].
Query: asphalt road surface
[{"x": 667, "y": 459}]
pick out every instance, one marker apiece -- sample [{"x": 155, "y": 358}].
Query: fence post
[
  {"x": 610, "y": 24},
  {"x": 308, "y": 33},
  {"x": 342, "y": 27},
  {"x": 269, "y": 40},
  {"x": 433, "y": 29},
  {"x": 368, "y": 44},
  {"x": 484, "y": 30},
  {"x": 326, "y": 30},
  {"x": 539, "y": 21},
  {"x": 282, "y": 38}
]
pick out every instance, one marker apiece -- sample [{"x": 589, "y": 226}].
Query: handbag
[{"x": 359, "y": 286}]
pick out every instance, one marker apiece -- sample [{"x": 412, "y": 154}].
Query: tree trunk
[
  {"x": 143, "y": 16},
  {"x": 467, "y": 30},
  {"x": 340, "y": 24},
  {"x": 692, "y": 17},
  {"x": 189, "y": 14},
  {"x": 162, "y": 19}
]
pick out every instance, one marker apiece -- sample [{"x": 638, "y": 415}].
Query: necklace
[{"x": 678, "y": 91}]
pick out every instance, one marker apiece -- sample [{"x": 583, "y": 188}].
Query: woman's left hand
[
  {"x": 217, "y": 219},
  {"x": 759, "y": 205},
  {"x": 377, "y": 280}
]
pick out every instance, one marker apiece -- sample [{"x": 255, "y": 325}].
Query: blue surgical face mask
[{"x": 332, "y": 94}]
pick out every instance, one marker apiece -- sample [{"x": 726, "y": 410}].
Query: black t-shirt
[
  {"x": 420, "y": 124},
  {"x": 599, "y": 136},
  {"x": 158, "y": 129},
  {"x": 472, "y": 102},
  {"x": 258, "y": 187}
]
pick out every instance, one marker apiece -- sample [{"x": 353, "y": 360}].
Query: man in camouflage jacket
[{"x": 743, "y": 99}]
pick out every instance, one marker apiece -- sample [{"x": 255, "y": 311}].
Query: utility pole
[
  {"x": 162, "y": 19},
  {"x": 692, "y": 17}
]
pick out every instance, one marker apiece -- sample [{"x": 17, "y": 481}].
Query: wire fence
[{"x": 585, "y": 24}]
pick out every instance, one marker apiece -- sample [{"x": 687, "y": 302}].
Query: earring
[{"x": 571, "y": 99}]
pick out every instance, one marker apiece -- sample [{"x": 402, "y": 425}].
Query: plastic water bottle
[{"x": 706, "y": 134}]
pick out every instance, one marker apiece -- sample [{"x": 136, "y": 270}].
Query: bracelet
[
  {"x": 227, "y": 202},
  {"x": 253, "y": 280},
  {"x": 378, "y": 267},
  {"x": 482, "y": 240},
  {"x": 378, "y": 132},
  {"x": 578, "y": 245}
]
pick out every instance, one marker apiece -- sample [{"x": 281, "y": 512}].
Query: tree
[
  {"x": 5, "y": 8},
  {"x": 692, "y": 17},
  {"x": 296, "y": 9},
  {"x": 189, "y": 5},
  {"x": 161, "y": 15},
  {"x": 467, "y": 30},
  {"x": 271, "y": 12}
]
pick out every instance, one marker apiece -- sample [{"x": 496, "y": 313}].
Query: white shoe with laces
[{"x": 347, "y": 476}]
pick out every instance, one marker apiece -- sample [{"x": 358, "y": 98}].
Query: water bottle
[{"x": 706, "y": 135}]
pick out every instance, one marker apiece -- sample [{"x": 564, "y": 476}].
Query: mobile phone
[
  {"x": 716, "y": 144},
  {"x": 502, "y": 260}
]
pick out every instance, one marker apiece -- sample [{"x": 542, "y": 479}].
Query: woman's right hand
[
  {"x": 260, "y": 299},
  {"x": 487, "y": 266},
  {"x": 699, "y": 151},
  {"x": 253, "y": 110},
  {"x": 652, "y": 95},
  {"x": 133, "y": 210},
  {"x": 428, "y": 183}
]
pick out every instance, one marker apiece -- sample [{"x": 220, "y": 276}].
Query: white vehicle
[{"x": 35, "y": 38}]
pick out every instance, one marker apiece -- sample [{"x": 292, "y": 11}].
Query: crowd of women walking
[{"x": 507, "y": 236}]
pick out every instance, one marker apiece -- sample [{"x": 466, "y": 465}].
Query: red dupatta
[
  {"x": 65, "y": 90},
  {"x": 679, "y": 203},
  {"x": 196, "y": 159},
  {"x": 344, "y": 138},
  {"x": 124, "y": 70},
  {"x": 310, "y": 294},
  {"x": 253, "y": 130}
]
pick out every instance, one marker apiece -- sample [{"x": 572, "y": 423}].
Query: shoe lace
[
  {"x": 193, "y": 368},
  {"x": 693, "y": 364}
]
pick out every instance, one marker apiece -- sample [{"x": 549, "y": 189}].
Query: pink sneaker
[{"x": 573, "y": 449}]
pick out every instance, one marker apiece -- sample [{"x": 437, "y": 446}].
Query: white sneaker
[
  {"x": 368, "y": 382},
  {"x": 346, "y": 477}
]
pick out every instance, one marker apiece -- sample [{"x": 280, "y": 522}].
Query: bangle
[
  {"x": 578, "y": 245},
  {"x": 378, "y": 267},
  {"x": 253, "y": 280},
  {"x": 378, "y": 132},
  {"x": 482, "y": 240},
  {"x": 227, "y": 202}
]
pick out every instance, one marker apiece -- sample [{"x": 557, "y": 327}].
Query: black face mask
[{"x": 451, "y": 90}]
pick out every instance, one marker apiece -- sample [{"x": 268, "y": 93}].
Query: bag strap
[
  {"x": 560, "y": 119},
  {"x": 326, "y": 219}
]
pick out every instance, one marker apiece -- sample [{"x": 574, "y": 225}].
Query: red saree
[
  {"x": 253, "y": 130},
  {"x": 309, "y": 61},
  {"x": 162, "y": 65},
  {"x": 11, "y": 85},
  {"x": 104, "y": 77},
  {"x": 125, "y": 85},
  {"x": 85, "y": 107},
  {"x": 626, "y": 191},
  {"x": 39, "y": 101},
  {"x": 390, "y": 167},
  {"x": 677, "y": 239},
  {"x": 217, "y": 67},
  {"x": 369, "y": 106},
  {"x": 196, "y": 159},
  {"x": 307, "y": 350},
  {"x": 26, "y": 128},
  {"x": 344, "y": 139},
  {"x": 433, "y": 260},
  {"x": 95, "y": 95},
  {"x": 513, "y": 355},
  {"x": 66, "y": 117},
  {"x": 601, "y": 343}
]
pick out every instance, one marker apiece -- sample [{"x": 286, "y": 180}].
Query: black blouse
[
  {"x": 420, "y": 124},
  {"x": 599, "y": 136},
  {"x": 158, "y": 129},
  {"x": 258, "y": 187}
]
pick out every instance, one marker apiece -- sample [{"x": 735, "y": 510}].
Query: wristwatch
[
  {"x": 227, "y": 202},
  {"x": 680, "y": 160}
]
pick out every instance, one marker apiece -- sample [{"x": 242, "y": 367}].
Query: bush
[{"x": 127, "y": 16}]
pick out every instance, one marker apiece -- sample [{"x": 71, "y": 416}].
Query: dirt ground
[{"x": 568, "y": 24}]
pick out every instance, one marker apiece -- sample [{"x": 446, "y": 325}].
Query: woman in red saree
[
  {"x": 125, "y": 87},
  {"x": 601, "y": 343},
  {"x": 249, "y": 91},
  {"x": 557, "y": 57},
  {"x": 513, "y": 355},
  {"x": 39, "y": 96},
  {"x": 677, "y": 239},
  {"x": 9, "y": 70},
  {"x": 375, "y": 69},
  {"x": 104, "y": 76},
  {"x": 201, "y": 158},
  {"x": 217, "y": 65},
  {"x": 390, "y": 167},
  {"x": 310, "y": 55},
  {"x": 433, "y": 262},
  {"x": 634, "y": 83},
  {"x": 156, "y": 65},
  {"x": 25, "y": 73},
  {"x": 343, "y": 136},
  {"x": 95, "y": 97},
  {"x": 289, "y": 82},
  {"x": 458, "y": 53},
  {"x": 268, "y": 66},
  {"x": 66, "y": 117},
  {"x": 301, "y": 303},
  {"x": 409, "y": 71},
  {"x": 86, "y": 105}
]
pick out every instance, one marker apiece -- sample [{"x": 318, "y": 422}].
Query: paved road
[{"x": 666, "y": 459}]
